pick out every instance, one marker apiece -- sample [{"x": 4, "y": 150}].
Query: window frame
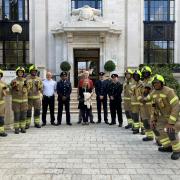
[
  {"x": 75, "y": 2},
  {"x": 24, "y": 50},
  {"x": 169, "y": 14},
  {"x": 24, "y": 11},
  {"x": 148, "y": 50}
]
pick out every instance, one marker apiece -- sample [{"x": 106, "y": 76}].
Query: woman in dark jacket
[{"x": 85, "y": 110}]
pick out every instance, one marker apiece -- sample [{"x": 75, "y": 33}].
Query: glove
[
  {"x": 170, "y": 128},
  {"x": 14, "y": 84},
  {"x": 36, "y": 83}
]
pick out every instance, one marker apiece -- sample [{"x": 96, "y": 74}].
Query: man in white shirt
[{"x": 49, "y": 88}]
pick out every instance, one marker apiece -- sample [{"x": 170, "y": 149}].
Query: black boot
[
  {"x": 147, "y": 139},
  {"x": 106, "y": 122},
  {"x": 128, "y": 126},
  {"x": 92, "y": 122},
  {"x": 135, "y": 131},
  {"x": 37, "y": 126},
  {"x": 23, "y": 130},
  {"x": 58, "y": 124},
  {"x": 175, "y": 155},
  {"x": 3, "y": 134},
  {"x": 27, "y": 126},
  {"x": 98, "y": 122},
  {"x": 165, "y": 149},
  {"x": 120, "y": 124},
  {"x": 112, "y": 123},
  {"x": 16, "y": 131},
  {"x": 52, "y": 123}
]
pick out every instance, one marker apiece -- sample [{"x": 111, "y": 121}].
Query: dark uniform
[
  {"x": 101, "y": 89},
  {"x": 114, "y": 91},
  {"x": 64, "y": 90}
]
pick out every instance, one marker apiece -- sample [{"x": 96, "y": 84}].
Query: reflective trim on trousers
[
  {"x": 28, "y": 121},
  {"x": 149, "y": 133},
  {"x": 165, "y": 142},
  {"x": 2, "y": 129},
  {"x": 37, "y": 120},
  {"x": 176, "y": 147}
]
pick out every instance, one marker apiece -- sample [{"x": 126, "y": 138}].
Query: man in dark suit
[
  {"x": 64, "y": 90},
  {"x": 101, "y": 89},
  {"x": 114, "y": 92}
]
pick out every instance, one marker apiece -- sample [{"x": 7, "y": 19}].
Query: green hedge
[{"x": 166, "y": 70}]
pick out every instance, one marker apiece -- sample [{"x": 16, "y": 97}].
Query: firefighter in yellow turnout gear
[
  {"x": 19, "y": 92},
  {"x": 3, "y": 89},
  {"x": 136, "y": 90},
  {"x": 166, "y": 103},
  {"x": 127, "y": 97},
  {"x": 34, "y": 97},
  {"x": 145, "y": 107}
]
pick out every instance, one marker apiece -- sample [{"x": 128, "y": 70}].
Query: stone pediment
[{"x": 86, "y": 26}]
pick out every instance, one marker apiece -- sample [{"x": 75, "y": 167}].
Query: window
[
  {"x": 159, "y": 52},
  {"x": 97, "y": 4},
  {"x": 9, "y": 52},
  {"x": 159, "y": 10},
  {"x": 15, "y": 9},
  {"x": 1, "y": 14}
]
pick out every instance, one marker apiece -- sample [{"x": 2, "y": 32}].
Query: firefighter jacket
[
  {"x": 166, "y": 103},
  {"x": 19, "y": 90},
  {"x": 35, "y": 87},
  {"x": 136, "y": 91},
  {"x": 145, "y": 107}
]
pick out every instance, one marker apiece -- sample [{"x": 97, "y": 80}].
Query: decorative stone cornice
[{"x": 87, "y": 26}]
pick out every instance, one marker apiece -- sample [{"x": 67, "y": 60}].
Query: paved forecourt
[{"x": 94, "y": 152}]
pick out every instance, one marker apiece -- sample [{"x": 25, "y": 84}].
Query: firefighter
[
  {"x": 34, "y": 97},
  {"x": 145, "y": 107},
  {"x": 136, "y": 90},
  {"x": 19, "y": 92},
  {"x": 166, "y": 103},
  {"x": 127, "y": 97},
  {"x": 3, "y": 89}
]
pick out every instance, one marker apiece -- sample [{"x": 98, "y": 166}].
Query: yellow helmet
[
  {"x": 33, "y": 68},
  {"x": 129, "y": 71},
  {"x": 1, "y": 72},
  {"x": 19, "y": 68},
  {"x": 158, "y": 78},
  {"x": 146, "y": 69},
  {"x": 137, "y": 72}
]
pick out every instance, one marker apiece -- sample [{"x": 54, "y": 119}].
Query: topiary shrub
[
  {"x": 109, "y": 66},
  {"x": 65, "y": 66}
]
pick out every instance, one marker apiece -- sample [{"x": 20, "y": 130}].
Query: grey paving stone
[
  {"x": 120, "y": 177},
  {"x": 81, "y": 177},
  {"x": 140, "y": 177},
  {"x": 94, "y": 152},
  {"x": 158, "y": 177}
]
